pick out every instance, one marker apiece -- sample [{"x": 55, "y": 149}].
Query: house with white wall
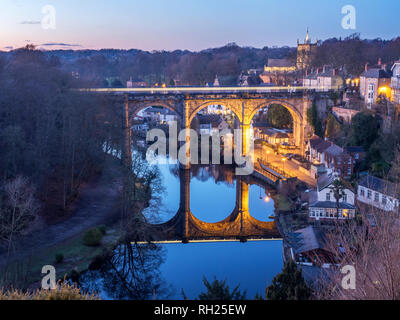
[
  {"x": 375, "y": 82},
  {"x": 378, "y": 193},
  {"x": 326, "y": 79},
  {"x": 395, "y": 82},
  {"x": 325, "y": 207}
]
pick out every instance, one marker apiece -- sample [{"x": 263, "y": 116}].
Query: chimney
[
  {"x": 306, "y": 72},
  {"x": 324, "y": 69},
  {"x": 335, "y": 72},
  {"x": 366, "y": 66}
]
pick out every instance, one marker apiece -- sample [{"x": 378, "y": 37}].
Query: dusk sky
[{"x": 189, "y": 24}]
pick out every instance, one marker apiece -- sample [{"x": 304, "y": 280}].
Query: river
[{"x": 175, "y": 268}]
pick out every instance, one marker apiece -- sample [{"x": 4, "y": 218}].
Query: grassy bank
[{"x": 76, "y": 257}]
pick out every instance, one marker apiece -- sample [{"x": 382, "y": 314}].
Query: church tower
[{"x": 305, "y": 52}]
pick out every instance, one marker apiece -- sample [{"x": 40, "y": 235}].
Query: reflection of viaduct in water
[{"x": 239, "y": 225}]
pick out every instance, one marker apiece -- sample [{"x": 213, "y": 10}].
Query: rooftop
[
  {"x": 379, "y": 185},
  {"x": 307, "y": 239},
  {"x": 331, "y": 205},
  {"x": 354, "y": 149},
  {"x": 315, "y": 140},
  {"x": 280, "y": 63},
  {"x": 334, "y": 150},
  {"x": 322, "y": 146},
  {"x": 376, "y": 73}
]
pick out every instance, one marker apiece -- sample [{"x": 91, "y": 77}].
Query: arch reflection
[{"x": 239, "y": 224}]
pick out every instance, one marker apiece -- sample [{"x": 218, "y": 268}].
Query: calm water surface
[{"x": 212, "y": 198}]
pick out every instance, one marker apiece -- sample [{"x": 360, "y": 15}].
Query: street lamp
[
  {"x": 268, "y": 152},
  {"x": 284, "y": 160}
]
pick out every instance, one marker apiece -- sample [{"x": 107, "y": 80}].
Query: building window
[
  {"x": 328, "y": 196},
  {"x": 362, "y": 192},
  {"x": 376, "y": 197},
  {"x": 356, "y": 156},
  {"x": 384, "y": 200},
  {"x": 344, "y": 198},
  {"x": 369, "y": 194},
  {"x": 371, "y": 90}
]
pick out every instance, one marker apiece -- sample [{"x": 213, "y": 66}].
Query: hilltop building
[
  {"x": 305, "y": 53},
  {"x": 280, "y": 72}
]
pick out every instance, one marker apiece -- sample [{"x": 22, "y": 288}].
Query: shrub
[
  {"x": 92, "y": 237},
  {"x": 64, "y": 291},
  {"x": 59, "y": 257},
  {"x": 103, "y": 229}
]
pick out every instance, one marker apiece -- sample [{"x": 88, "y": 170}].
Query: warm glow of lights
[
  {"x": 385, "y": 91},
  {"x": 164, "y": 85},
  {"x": 266, "y": 199},
  {"x": 199, "y": 89},
  {"x": 284, "y": 159}
]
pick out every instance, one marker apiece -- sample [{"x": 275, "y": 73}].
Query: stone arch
[
  {"x": 298, "y": 121},
  {"x": 227, "y": 104},
  {"x": 296, "y": 115},
  {"x": 135, "y": 108}
]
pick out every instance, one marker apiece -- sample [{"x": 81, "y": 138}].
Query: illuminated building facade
[
  {"x": 375, "y": 83},
  {"x": 305, "y": 53}
]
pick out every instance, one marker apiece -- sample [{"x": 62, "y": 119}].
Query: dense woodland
[{"x": 51, "y": 139}]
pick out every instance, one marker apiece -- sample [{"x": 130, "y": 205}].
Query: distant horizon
[{"x": 74, "y": 47}]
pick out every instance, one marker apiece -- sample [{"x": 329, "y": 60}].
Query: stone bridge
[{"x": 244, "y": 102}]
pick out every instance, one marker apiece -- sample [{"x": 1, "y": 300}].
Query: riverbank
[{"x": 98, "y": 205}]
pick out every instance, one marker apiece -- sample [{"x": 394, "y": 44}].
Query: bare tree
[
  {"x": 370, "y": 244},
  {"x": 18, "y": 209}
]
